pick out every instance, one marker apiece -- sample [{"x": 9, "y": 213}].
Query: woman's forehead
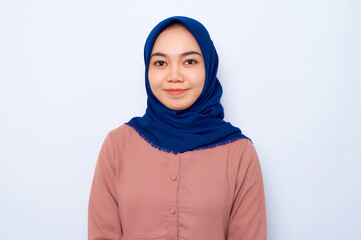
[{"x": 176, "y": 37}]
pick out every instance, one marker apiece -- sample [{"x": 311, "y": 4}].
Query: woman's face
[{"x": 176, "y": 68}]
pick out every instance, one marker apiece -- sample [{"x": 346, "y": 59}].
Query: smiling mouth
[{"x": 176, "y": 92}]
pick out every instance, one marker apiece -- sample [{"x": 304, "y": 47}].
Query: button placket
[{"x": 173, "y": 178}]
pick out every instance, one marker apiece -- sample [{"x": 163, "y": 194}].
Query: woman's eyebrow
[
  {"x": 183, "y": 54},
  {"x": 190, "y": 53}
]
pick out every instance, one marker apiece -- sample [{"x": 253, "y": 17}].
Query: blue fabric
[{"x": 201, "y": 125}]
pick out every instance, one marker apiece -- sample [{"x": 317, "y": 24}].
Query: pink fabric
[{"x": 140, "y": 192}]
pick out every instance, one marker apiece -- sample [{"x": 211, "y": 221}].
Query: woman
[{"x": 180, "y": 171}]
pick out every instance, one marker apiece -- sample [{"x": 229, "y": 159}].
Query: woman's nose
[{"x": 175, "y": 74}]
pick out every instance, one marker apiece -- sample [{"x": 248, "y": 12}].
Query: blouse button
[
  {"x": 172, "y": 211},
  {"x": 174, "y": 177}
]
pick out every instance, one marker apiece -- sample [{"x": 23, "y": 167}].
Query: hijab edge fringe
[{"x": 195, "y": 149}]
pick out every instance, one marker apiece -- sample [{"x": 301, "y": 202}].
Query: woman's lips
[{"x": 176, "y": 92}]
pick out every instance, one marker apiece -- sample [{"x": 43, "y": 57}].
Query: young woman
[{"x": 180, "y": 171}]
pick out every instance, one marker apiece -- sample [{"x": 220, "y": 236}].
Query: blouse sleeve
[
  {"x": 248, "y": 213},
  {"x": 103, "y": 214}
]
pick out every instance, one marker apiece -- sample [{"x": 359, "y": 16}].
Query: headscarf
[{"x": 201, "y": 125}]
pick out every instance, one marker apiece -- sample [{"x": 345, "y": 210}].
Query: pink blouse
[{"x": 142, "y": 193}]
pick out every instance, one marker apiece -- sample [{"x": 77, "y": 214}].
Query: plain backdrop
[{"x": 71, "y": 71}]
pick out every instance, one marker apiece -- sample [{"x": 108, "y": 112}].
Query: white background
[{"x": 70, "y": 71}]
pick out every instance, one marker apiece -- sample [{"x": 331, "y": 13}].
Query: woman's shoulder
[
  {"x": 122, "y": 132},
  {"x": 247, "y": 151},
  {"x": 244, "y": 143},
  {"x": 242, "y": 148},
  {"x": 235, "y": 148},
  {"x": 127, "y": 137},
  {"x": 238, "y": 145},
  {"x": 122, "y": 129}
]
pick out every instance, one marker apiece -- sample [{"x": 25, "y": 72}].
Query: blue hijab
[{"x": 201, "y": 125}]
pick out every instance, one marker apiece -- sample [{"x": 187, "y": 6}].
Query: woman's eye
[
  {"x": 191, "y": 61},
  {"x": 159, "y": 63}
]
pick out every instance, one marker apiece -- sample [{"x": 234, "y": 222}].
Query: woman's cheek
[{"x": 155, "y": 77}]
